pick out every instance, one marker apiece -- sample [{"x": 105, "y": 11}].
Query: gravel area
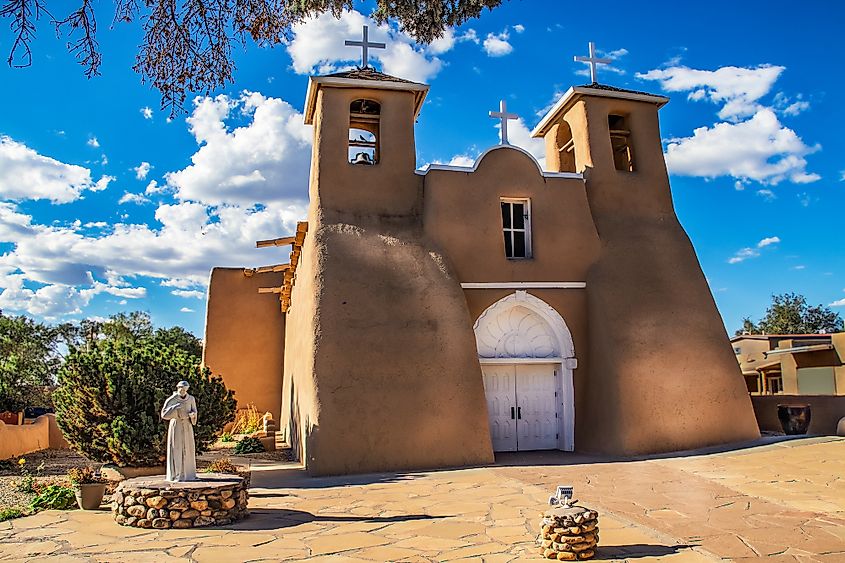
[{"x": 57, "y": 462}]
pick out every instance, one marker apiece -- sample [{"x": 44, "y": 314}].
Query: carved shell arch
[{"x": 522, "y": 326}]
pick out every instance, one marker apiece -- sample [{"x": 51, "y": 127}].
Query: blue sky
[{"x": 109, "y": 206}]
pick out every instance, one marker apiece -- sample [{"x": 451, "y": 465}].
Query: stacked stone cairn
[
  {"x": 569, "y": 533},
  {"x": 145, "y": 503}
]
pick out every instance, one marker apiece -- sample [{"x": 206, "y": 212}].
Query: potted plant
[
  {"x": 795, "y": 419},
  {"x": 88, "y": 486}
]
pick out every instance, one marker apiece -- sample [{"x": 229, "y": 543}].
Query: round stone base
[{"x": 215, "y": 499}]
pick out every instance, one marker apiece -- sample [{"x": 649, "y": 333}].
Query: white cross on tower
[
  {"x": 365, "y": 45},
  {"x": 593, "y": 61},
  {"x": 504, "y": 116}
]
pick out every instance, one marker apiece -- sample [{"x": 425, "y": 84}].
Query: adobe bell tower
[
  {"x": 662, "y": 373},
  {"x": 364, "y": 156},
  {"x": 380, "y": 370}
]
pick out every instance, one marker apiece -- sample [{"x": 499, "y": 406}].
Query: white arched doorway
[{"x": 527, "y": 357}]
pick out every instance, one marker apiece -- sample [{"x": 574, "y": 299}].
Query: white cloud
[
  {"x": 787, "y": 106},
  {"x": 315, "y": 47},
  {"x": 750, "y": 144},
  {"x": 613, "y": 55},
  {"x": 497, "y": 45},
  {"x": 520, "y": 135},
  {"x": 93, "y": 142},
  {"x": 188, "y": 293},
  {"x": 746, "y": 253},
  {"x": 137, "y": 199},
  {"x": 265, "y": 161},
  {"x": 743, "y": 254},
  {"x": 186, "y": 310},
  {"x": 768, "y": 241},
  {"x": 759, "y": 149},
  {"x": 55, "y": 271},
  {"x": 142, "y": 170},
  {"x": 153, "y": 188},
  {"x": 461, "y": 160},
  {"x": 766, "y": 194},
  {"x": 147, "y": 112},
  {"x": 838, "y": 303},
  {"x": 519, "y": 28},
  {"x": 25, "y": 174},
  {"x": 739, "y": 89},
  {"x": 799, "y": 267}
]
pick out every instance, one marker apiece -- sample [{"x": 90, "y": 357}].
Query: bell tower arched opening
[{"x": 364, "y": 132}]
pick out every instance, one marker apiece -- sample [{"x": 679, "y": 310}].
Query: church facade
[{"x": 431, "y": 318}]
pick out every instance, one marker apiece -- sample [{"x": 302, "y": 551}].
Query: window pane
[
  {"x": 506, "y": 215},
  {"x": 519, "y": 244},
  {"x": 518, "y": 216},
  {"x": 508, "y": 245}
]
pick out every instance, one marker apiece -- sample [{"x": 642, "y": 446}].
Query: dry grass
[{"x": 247, "y": 420}]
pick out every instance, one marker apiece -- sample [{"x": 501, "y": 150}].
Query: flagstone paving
[{"x": 782, "y": 502}]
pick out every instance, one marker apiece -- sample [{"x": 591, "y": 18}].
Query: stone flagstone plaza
[{"x": 782, "y": 501}]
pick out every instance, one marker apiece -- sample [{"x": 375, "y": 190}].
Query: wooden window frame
[{"x": 526, "y": 202}]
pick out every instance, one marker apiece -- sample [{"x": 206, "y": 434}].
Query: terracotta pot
[
  {"x": 794, "y": 419},
  {"x": 90, "y": 495},
  {"x": 9, "y": 417}
]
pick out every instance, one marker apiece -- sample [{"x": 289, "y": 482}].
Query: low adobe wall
[
  {"x": 17, "y": 440},
  {"x": 826, "y": 411}
]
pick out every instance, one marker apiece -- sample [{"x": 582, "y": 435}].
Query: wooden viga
[{"x": 289, "y": 269}]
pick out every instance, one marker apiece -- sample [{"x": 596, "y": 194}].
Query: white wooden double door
[{"x": 522, "y": 406}]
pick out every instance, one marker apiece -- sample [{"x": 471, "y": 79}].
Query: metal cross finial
[
  {"x": 593, "y": 61},
  {"x": 365, "y": 45},
  {"x": 503, "y": 116}
]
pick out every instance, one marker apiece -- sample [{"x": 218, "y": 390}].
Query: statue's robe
[{"x": 181, "y": 451}]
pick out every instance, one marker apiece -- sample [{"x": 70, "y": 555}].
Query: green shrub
[
  {"x": 249, "y": 446},
  {"x": 54, "y": 497},
  {"x": 9, "y": 513},
  {"x": 226, "y": 437},
  {"x": 110, "y": 396}
]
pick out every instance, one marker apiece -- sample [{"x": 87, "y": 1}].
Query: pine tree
[{"x": 110, "y": 396}]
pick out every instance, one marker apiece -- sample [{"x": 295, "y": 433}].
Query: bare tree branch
[
  {"x": 24, "y": 14},
  {"x": 85, "y": 48},
  {"x": 187, "y": 45}
]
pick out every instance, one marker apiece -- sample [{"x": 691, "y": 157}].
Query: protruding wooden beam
[
  {"x": 302, "y": 227},
  {"x": 270, "y": 289},
  {"x": 273, "y": 268},
  {"x": 283, "y": 241}
]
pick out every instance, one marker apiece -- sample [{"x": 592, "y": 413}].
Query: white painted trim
[
  {"x": 572, "y": 95},
  {"x": 565, "y": 364},
  {"x": 558, "y": 361},
  {"x": 524, "y": 285},
  {"x": 474, "y": 167}
]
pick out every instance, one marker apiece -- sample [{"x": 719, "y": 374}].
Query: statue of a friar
[{"x": 181, "y": 410}]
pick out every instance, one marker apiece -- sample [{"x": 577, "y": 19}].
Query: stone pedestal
[
  {"x": 569, "y": 533},
  {"x": 216, "y": 499}
]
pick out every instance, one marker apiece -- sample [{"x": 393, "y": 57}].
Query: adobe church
[{"x": 431, "y": 318}]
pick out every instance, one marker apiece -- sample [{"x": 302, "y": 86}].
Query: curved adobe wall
[{"x": 663, "y": 375}]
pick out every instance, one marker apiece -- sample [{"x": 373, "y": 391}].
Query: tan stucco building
[
  {"x": 433, "y": 317},
  {"x": 792, "y": 364}
]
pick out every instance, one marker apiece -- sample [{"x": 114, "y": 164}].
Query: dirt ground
[{"x": 51, "y": 467}]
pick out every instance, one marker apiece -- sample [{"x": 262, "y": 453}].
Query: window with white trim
[{"x": 516, "y": 226}]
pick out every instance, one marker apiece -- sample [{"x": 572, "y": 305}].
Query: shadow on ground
[
  {"x": 637, "y": 551},
  {"x": 280, "y": 518}
]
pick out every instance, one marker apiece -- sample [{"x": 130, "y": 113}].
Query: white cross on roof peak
[
  {"x": 592, "y": 60},
  {"x": 365, "y": 45},
  {"x": 504, "y": 116}
]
